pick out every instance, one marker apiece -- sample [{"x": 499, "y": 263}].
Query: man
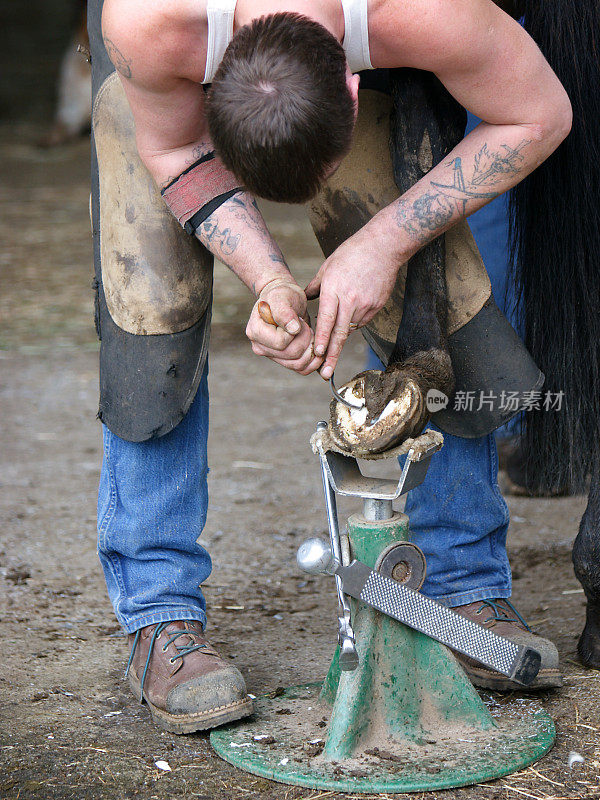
[{"x": 280, "y": 114}]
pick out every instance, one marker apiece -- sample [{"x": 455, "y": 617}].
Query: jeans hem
[
  {"x": 168, "y": 615},
  {"x": 463, "y": 598}
]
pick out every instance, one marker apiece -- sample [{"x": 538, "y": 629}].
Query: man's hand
[
  {"x": 353, "y": 284},
  {"x": 287, "y": 339}
]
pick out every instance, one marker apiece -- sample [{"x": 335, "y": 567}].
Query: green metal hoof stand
[{"x": 402, "y": 716}]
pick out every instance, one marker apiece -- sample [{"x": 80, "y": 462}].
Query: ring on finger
[{"x": 354, "y": 326}]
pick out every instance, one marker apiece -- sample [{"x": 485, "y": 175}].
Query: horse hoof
[
  {"x": 588, "y": 647},
  {"x": 393, "y": 404},
  {"x": 389, "y": 413}
]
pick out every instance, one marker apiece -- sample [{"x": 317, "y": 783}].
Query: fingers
[
  {"x": 297, "y": 354},
  {"x": 337, "y": 339},
  {"x": 262, "y": 334},
  {"x": 328, "y": 311},
  {"x": 306, "y": 363},
  {"x": 266, "y": 341},
  {"x": 283, "y": 313},
  {"x": 303, "y": 366},
  {"x": 314, "y": 287}
]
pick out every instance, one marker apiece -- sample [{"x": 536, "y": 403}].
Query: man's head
[{"x": 282, "y": 106}]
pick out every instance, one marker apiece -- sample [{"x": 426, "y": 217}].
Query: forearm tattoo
[
  {"x": 223, "y": 240},
  {"x": 425, "y": 217},
  {"x": 218, "y": 240},
  {"x": 249, "y": 215}
]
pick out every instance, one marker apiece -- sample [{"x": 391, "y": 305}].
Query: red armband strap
[{"x": 199, "y": 190}]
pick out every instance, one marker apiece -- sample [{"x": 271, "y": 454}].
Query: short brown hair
[{"x": 280, "y": 112}]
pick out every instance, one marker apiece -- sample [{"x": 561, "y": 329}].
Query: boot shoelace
[
  {"x": 182, "y": 650},
  {"x": 500, "y": 614}
]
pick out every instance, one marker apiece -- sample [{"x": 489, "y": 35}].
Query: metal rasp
[{"x": 519, "y": 663}]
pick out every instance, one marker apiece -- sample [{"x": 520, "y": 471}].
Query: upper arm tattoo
[
  {"x": 198, "y": 152},
  {"x": 120, "y": 63}
]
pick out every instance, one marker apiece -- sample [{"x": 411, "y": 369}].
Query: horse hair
[{"x": 555, "y": 255}]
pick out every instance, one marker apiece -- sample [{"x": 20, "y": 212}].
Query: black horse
[{"x": 555, "y": 226}]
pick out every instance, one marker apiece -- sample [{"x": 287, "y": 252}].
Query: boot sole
[
  {"x": 190, "y": 723},
  {"x": 488, "y": 679}
]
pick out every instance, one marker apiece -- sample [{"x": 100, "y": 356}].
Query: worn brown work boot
[
  {"x": 502, "y": 618},
  {"x": 185, "y": 682}
]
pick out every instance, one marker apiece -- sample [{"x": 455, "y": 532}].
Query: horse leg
[
  {"x": 586, "y": 560},
  {"x": 426, "y": 124},
  {"x": 420, "y": 360}
]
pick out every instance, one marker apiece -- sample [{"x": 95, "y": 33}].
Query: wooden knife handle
[{"x": 264, "y": 310}]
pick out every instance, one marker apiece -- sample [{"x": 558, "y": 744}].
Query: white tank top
[{"x": 220, "y": 14}]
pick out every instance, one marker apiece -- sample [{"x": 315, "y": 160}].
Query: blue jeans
[
  {"x": 152, "y": 505},
  {"x": 460, "y": 520},
  {"x": 457, "y": 515}
]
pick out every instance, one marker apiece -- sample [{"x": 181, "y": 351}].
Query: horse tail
[{"x": 555, "y": 252}]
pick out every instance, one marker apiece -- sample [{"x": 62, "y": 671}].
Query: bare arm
[
  {"x": 157, "y": 49},
  {"x": 162, "y": 84},
  {"x": 492, "y": 67}
]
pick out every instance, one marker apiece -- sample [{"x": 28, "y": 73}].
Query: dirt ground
[{"x": 69, "y": 727}]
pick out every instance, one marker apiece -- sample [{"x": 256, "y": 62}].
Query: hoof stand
[{"x": 407, "y": 719}]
